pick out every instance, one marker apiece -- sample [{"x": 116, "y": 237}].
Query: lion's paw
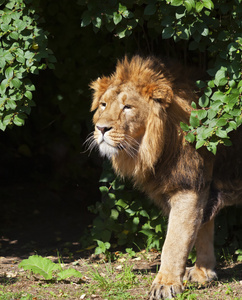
[
  {"x": 200, "y": 275},
  {"x": 160, "y": 291}
]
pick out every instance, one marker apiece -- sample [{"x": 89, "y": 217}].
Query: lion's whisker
[{"x": 90, "y": 143}]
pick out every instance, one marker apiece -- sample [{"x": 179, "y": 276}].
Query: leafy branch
[{"x": 23, "y": 52}]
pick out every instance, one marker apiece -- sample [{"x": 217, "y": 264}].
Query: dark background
[{"x": 47, "y": 179}]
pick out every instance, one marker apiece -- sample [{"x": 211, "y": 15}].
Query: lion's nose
[{"x": 103, "y": 129}]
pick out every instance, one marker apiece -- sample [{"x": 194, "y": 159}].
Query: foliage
[
  {"x": 204, "y": 33},
  {"x": 125, "y": 217},
  {"x": 205, "y": 26},
  {"x": 48, "y": 269},
  {"x": 23, "y": 51},
  {"x": 239, "y": 253}
]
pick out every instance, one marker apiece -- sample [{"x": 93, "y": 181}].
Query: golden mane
[
  {"x": 169, "y": 94},
  {"x": 170, "y": 98}
]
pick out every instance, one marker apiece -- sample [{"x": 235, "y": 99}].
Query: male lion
[{"x": 137, "y": 125}]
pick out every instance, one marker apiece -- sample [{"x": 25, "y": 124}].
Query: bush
[
  {"x": 202, "y": 33},
  {"x": 23, "y": 52}
]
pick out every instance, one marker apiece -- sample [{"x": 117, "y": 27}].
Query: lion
[{"x": 138, "y": 110}]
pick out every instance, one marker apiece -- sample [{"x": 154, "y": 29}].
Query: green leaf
[
  {"x": 201, "y": 114},
  {"x": 29, "y": 54},
  {"x": 194, "y": 121},
  {"x": 212, "y": 146},
  {"x": 189, "y": 4},
  {"x": 19, "y": 119},
  {"x": 10, "y": 104},
  {"x": 176, "y": 2},
  {"x": 9, "y": 73},
  {"x": 184, "y": 126},
  {"x": 103, "y": 189},
  {"x": 212, "y": 113},
  {"x": 97, "y": 23},
  {"x": 150, "y": 9},
  {"x": 194, "y": 105},
  {"x": 2, "y": 62},
  {"x": 2, "y": 126},
  {"x": 16, "y": 82},
  {"x": 21, "y": 25},
  {"x": 221, "y": 133},
  {"x": 208, "y": 4},
  {"x": 28, "y": 94},
  {"x": 203, "y": 101},
  {"x": 39, "y": 265},
  {"x": 122, "y": 33},
  {"x": 14, "y": 35},
  {"x": 3, "y": 86},
  {"x": 221, "y": 122},
  {"x": 167, "y": 32},
  {"x": 64, "y": 274},
  {"x": 117, "y": 18},
  {"x": 86, "y": 18},
  {"x": 201, "y": 84},
  {"x": 220, "y": 77},
  {"x": 199, "y": 144},
  {"x": 199, "y": 6},
  {"x": 6, "y": 18},
  {"x": 190, "y": 137}
]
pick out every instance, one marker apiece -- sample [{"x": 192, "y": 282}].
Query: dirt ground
[
  {"x": 39, "y": 220},
  {"x": 15, "y": 280}
]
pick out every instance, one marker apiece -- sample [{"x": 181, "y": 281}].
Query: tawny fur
[{"x": 137, "y": 125}]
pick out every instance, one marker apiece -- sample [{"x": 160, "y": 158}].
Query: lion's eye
[
  {"x": 103, "y": 105},
  {"x": 127, "y": 106}
]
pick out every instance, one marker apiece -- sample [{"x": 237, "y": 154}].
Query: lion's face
[
  {"x": 131, "y": 109},
  {"x": 120, "y": 120}
]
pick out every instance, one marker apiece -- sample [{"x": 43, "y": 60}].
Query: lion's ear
[
  {"x": 163, "y": 95},
  {"x": 99, "y": 86}
]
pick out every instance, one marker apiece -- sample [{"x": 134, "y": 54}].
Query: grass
[{"x": 128, "y": 277}]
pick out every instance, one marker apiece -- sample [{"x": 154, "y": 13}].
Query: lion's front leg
[
  {"x": 203, "y": 271},
  {"x": 184, "y": 221}
]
